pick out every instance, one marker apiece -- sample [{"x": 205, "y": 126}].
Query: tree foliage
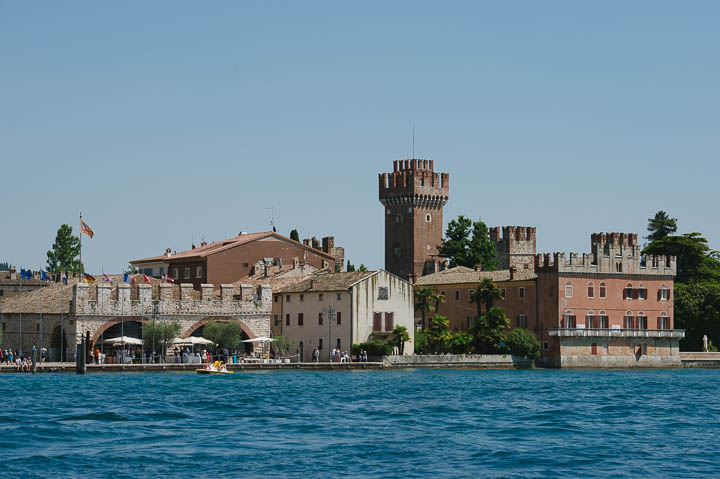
[
  {"x": 160, "y": 333},
  {"x": 426, "y": 299},
  {"x": 282, "y": 345},
  {"x": 350, "y": 267},
  {"x": 65, "y": 252},
  {"x": 522, "y": 342},
  {"x": 467, "y": 243},
  {"x": 438, "y": 334},
  {"x": 696, "y": 262},
  {"x": 661, "y": 226},
  {"x": 4, "y": 266},
  {"x": 489, "y": 332},
  {"x": 400, "y": 336},
  {"x": 697, "y": 311},
  {"x": 294, "y": 235},
  {"x": 373, "y": 348},
  {"x": 226, "y": 334},
  {"x": 485, "y": 293}
]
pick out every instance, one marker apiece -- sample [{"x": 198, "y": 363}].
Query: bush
[
  {"x": 373, "y": 348},
  {"x": 523, "y": 343}
]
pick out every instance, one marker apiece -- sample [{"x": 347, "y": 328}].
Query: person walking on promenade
[{"x": 316, "y": 355}]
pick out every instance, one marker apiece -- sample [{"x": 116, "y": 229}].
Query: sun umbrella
[
  {"x": 261, "y": 339},
  {"x": 125, "y": 340}
]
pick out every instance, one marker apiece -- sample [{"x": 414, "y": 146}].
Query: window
[
  {"x": 618, "y": 267},
  {"x": 320, "y": 319},
  {"x": 470, "y": 295},
  {"x": 603, "y": 291},
  {"x": 521, "y": 321},
  {"x": 545, "y": 346},
  {"x": 590, "y": 320},
  {"x": 377, "y": 322},
  {"x": 428, "y": 219},
  {"x": 628, "y": 321},
  {"x": 319, "y": 343},
  {"x": 469, "y": 322},
  {"x": 628, "y": 291},
  {"x": 590, "y": 290},
  {"x": 339, "y": 319},
  {"x": 604, "y": 321},
  {"x": 389, "y": 323},
  {"x": 300, "y": 319},
  {"x": 245, "y": 265},
  {"x": 339, "y": 297},
  {"x": 398, "y": 218},
  {"x": 187, "y": 273},
  {"x": 568, "y": 290},
  {"x": 175, "y": 273},
  {"x": 162, "y": 270},
  {"x": 642, "y": 322},
  {"x": 302, "y": 298},
  {"x": 642, "y": 291},
  {"x": 287, "y": 298},
  {"x": 37, "y": 326},
  {"x": 654, "y": 262},
  {"x": 338, "y": 343},
  {"x": 287, "y": 320},
  {"x": 383, "y": 292},
  {"x": 198, "y": 272},
  {"x": 457, "y": 295},
  {"x": 569, "y": 321},
  {"x": 663, "y": 322},
  {"x": 276, "y": 320},
  {"x": 521, "y": 292},
  {"x": 664, "y": 293},
  {"x": 320, "y": 297},
  {"x": 276, "y": 298},
  {"x": 502, "y": 293}
]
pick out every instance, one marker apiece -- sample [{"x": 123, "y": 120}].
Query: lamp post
[{"x": 330, "y": 312}]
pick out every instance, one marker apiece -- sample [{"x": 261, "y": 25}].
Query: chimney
[
  {"x": 168, "y": 252},
  {"x": 478, "y": 267}
]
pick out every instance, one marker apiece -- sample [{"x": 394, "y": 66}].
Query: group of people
[
  {"x": 216, "y": 366},
  {"x": 339, "y": 356},
  {"x": 19, "y": 360}
]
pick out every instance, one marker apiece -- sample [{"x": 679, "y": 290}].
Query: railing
[{"x": 617, "y": 333}]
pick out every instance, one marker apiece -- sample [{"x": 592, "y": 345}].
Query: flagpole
[{"x": 80, "y": 236}]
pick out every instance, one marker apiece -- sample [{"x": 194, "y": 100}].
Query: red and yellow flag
[
  {"x": 84, "y": 228},
  {"x": 88, "y": 279}
]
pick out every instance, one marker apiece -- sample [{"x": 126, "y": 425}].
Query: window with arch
[
  {"x": 642, "y": 291},
  {"x": 590, "y": 321},
  {"x": 428, "y": 218},
  {"x": 664, "y": 293},
  {"x": 590, "y": 290},
  {"x": 628, "y": 291},
  {"x": 663, "y": 322},
  {"x": 604, "y": 322},
  {"x": 398, "y": 218},
  {"x": 628, "y": 320},
  {"x": 602, "y": 291},
  {"x": 641, "y": 321},
  {"x": 568, "y": 290},
  {"x": 568, "y": 320}
]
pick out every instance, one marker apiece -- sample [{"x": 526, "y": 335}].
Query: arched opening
[
  {"x": 119, "y": 351},
  {"x": 198, "y": 330},
  {"x": 590, "y": 321},
  {"x": 59, "y": 344}
]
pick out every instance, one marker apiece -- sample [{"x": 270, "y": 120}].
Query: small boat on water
[{"x": 211, "y": 371}]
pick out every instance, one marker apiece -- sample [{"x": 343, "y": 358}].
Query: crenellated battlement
[
  {"x": 515, "y": 246},
  {"x": 612, "y": 253},
  {"x": 414, "y": 183},
  {"x": 170, "y": 299}
]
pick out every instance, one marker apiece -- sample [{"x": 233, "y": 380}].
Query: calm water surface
[{"x": 410, "y": 423}]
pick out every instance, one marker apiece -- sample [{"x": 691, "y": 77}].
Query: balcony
[{"x": 616, "y": 333}]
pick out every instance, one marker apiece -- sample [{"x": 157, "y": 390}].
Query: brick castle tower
[{"x": 413, "y": 196}]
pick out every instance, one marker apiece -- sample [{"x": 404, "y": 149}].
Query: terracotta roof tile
[
  {"x": 327, "y": 282},
  {"x": 461, "y": 274}
]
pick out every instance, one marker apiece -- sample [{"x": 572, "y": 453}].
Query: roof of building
[
  {"x": 152, "y": 259},
  {"x": 461, "y": 274},
  {"x": 327, "y": 282},
  {"x": 53, "y": 299},
  {"x": 7, "y": 281},
  {"x": 218, "y": 246}
]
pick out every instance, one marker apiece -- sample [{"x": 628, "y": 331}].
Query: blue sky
[{"x": 170, "y": 121}]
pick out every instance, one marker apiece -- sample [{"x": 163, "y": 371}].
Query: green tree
[
  {"x": 131, "y": 269},
  {"x": 489, "y": 332},
  {"x": 485, "y": 293},
  {"x": 160, "y": 334},
  {"x": 4, "y": 266},
  {"x": 661, "y": 226},
  {"x": 697, "y": 311},
  {"x": 467, "y": 243},
  {"x": 64, "y": 255},
  {"x": 362, "y": 267},
  {"x": 226, "y": 334},
  {"x": 350, "y": 267},
  {"x": 282, "y": 345},
  {"x": 294, "y": 235},
  {"x": 522, "y": 342},
  {"x": 696, "y": 262},
  {"x": 400, "y": 337},
  {"x": 425, "y": 298},
  {"x": 438, "y": 334},
  {"x": 460, "y": 343}
]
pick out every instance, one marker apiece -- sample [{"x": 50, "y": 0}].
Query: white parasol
[
  {"x": 192, "y": 340},
  {"x": 124, "y": 340},
  {"x": 261, "y": 339}
]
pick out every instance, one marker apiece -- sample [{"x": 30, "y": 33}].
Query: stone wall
[{"x": 504, "y": 361}]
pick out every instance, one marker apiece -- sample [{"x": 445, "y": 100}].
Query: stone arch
[
  {"x": 197, "y": 324},
  {"x": 112, "y": 322}
]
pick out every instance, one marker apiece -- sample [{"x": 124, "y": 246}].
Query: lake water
[{"x": 405, "y": 423}]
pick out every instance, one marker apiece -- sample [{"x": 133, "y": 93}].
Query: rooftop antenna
[{"x": 272, "y": 218}]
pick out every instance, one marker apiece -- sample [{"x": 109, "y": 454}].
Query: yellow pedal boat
[{"x": 210, "y": 371}]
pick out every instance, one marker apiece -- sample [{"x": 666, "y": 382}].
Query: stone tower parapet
[
  {"x": 516, "y": 246},
  {"x": 413, "y": 195},
  {"x": 611, "y": 253}
]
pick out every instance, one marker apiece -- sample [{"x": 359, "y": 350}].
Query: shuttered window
[
  {"x": 377, "y": 322},
  {"x": 389, "y": 322}
]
